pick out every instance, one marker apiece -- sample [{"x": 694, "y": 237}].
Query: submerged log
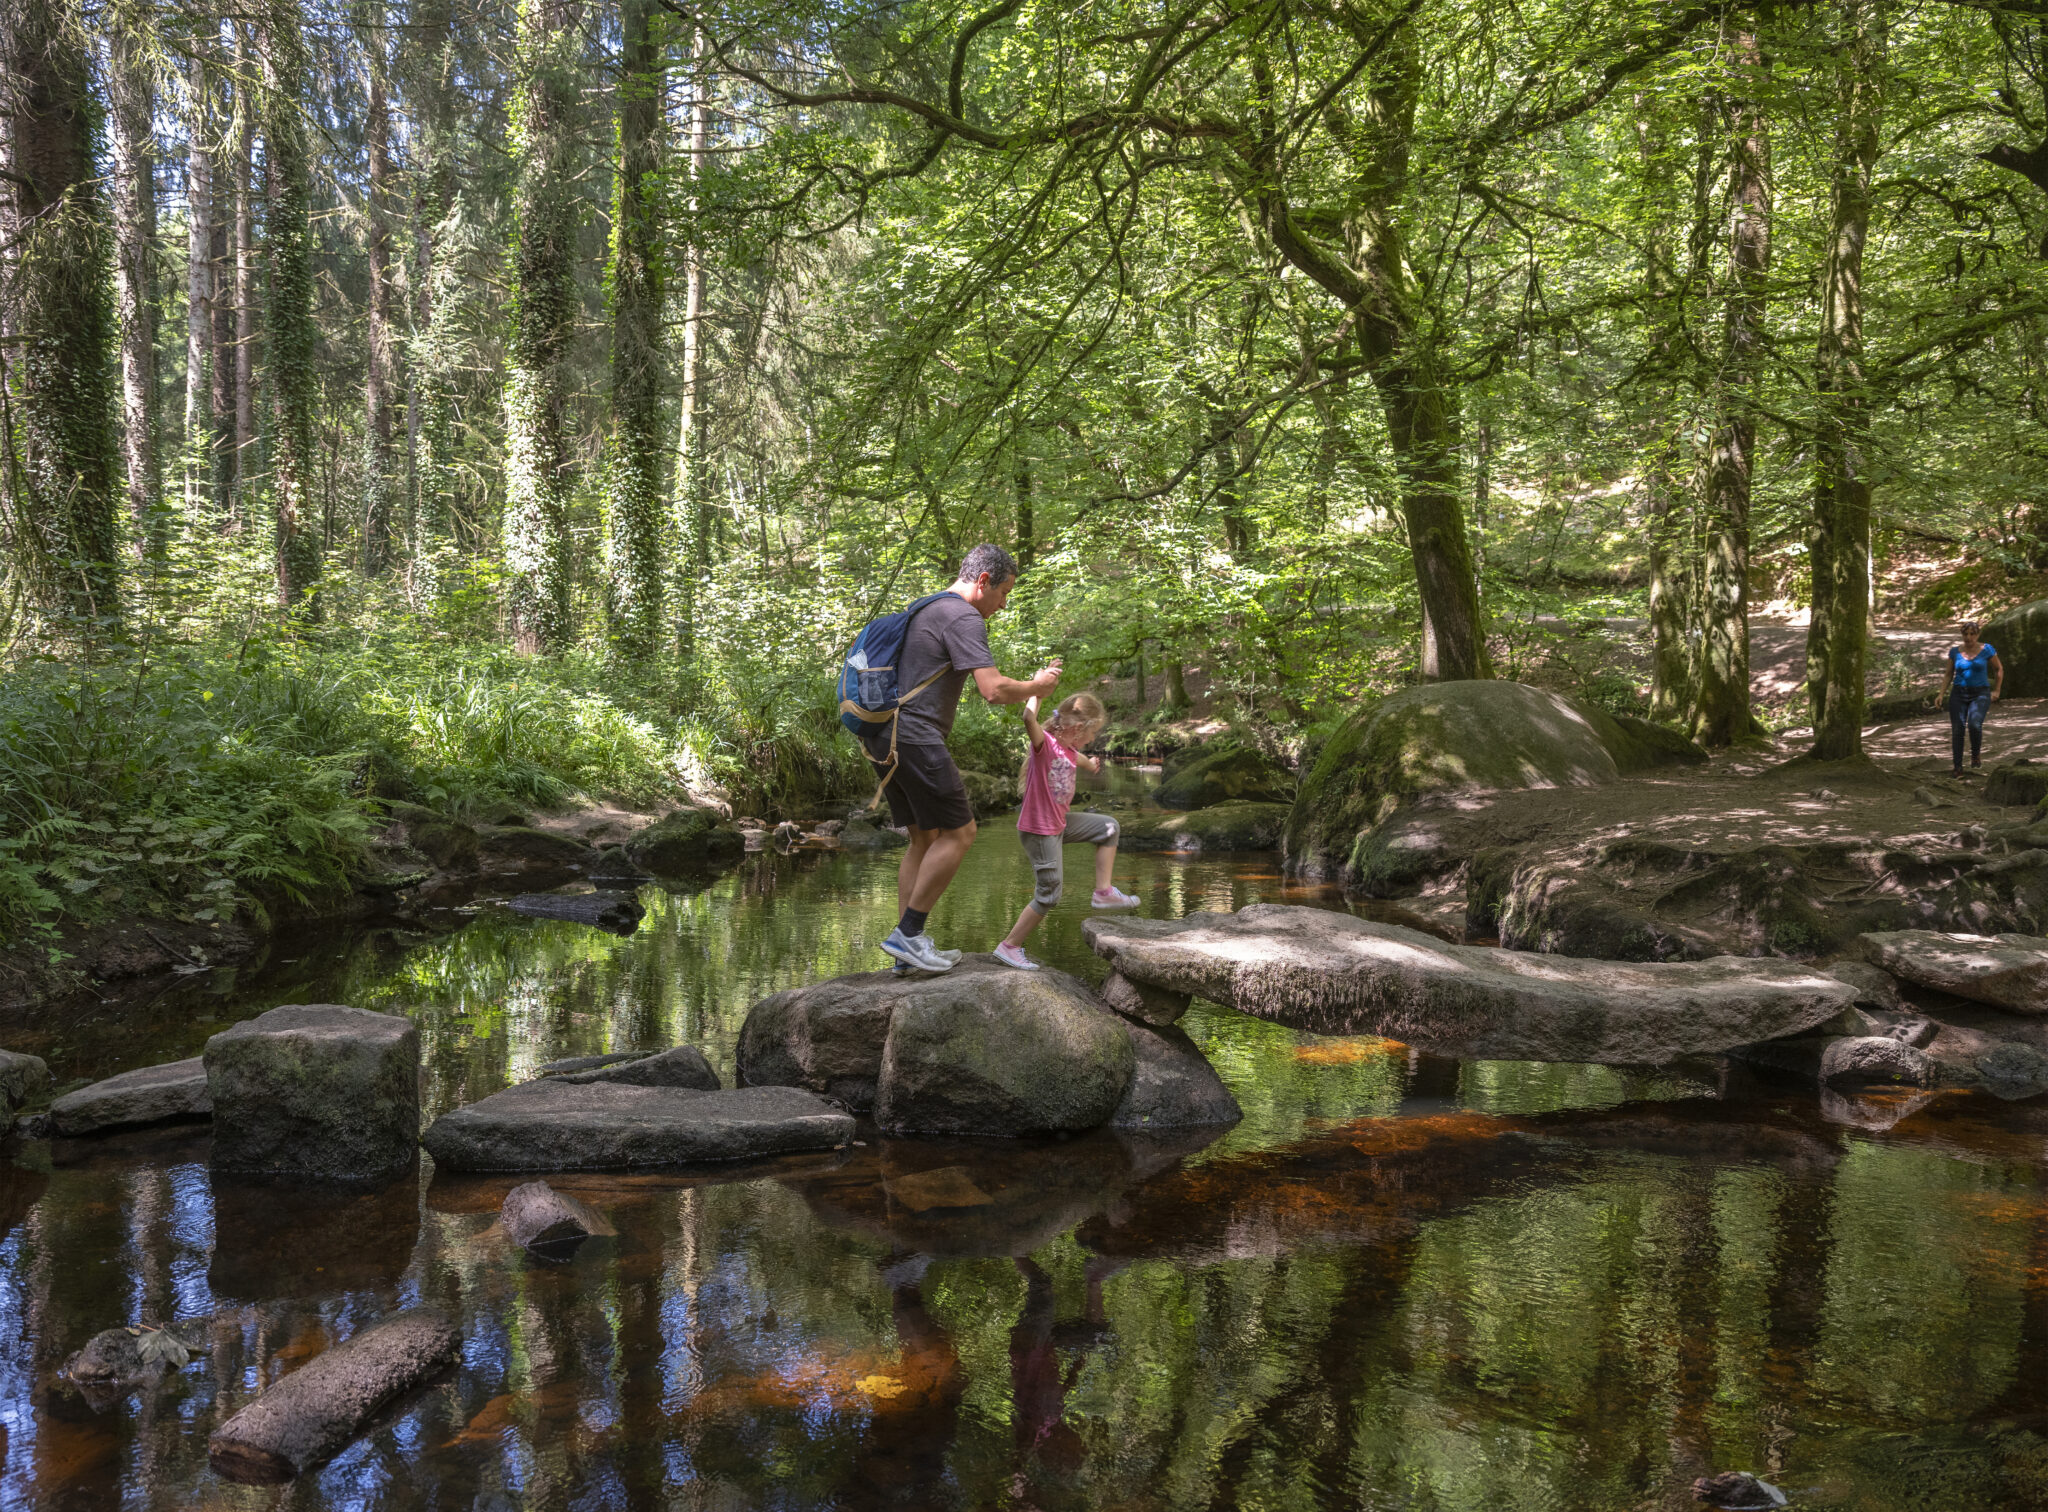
[
  {"x": 312, "y": 1413},
  {"x": 546, "y": 1222},
  {"x": 600, "y": 910},
  {"x": 1331, "y": 973}
]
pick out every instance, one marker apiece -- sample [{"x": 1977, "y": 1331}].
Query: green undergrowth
[{"x": 175, "y": 782}]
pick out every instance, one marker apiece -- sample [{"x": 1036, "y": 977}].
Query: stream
[{"x": 1400, "y": 1282}]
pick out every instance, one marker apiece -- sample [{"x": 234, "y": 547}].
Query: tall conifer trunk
[
  {"x": 429, "y": 410},
  {"x": 244, "y": 271},
  {"x": 379, "y": 384},
  {"x": 636, "y": 513},
  {"x": 1723, "y": 714},
  {"x": 290, "y": 336},
  {"x": 228, "y": 178},
  {"x": 544, "y": 312},
  {"x": 133, "y": 95},
  {"x": 1838, "y": 635},
  {"x": 691, "y": 472},
  {"x": 62, "y": 515},
  {"x": 198, "y": 433}
]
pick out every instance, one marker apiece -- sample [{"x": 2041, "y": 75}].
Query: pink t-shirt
[{"x": 1048, "y": 789}]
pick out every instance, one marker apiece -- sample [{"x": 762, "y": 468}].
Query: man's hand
[{"x": 1047, "y": 677}]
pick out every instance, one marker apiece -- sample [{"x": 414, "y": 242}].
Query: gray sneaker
[{"x": 916, "y": 951}]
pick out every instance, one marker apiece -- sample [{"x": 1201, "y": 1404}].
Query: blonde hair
[{"x": 1079, "y": 709}]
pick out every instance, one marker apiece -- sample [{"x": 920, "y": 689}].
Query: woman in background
[{"x": 1975, "y": 675}]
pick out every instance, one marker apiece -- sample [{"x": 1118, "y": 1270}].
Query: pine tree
[
  {"x": 63, "y": 496},
  {"x": 544, "y": 310},
  {"x": 290, "y": 335},
  {"x": 635, "y": 286}
]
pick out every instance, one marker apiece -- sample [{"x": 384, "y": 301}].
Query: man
[{"x": 926, "y": 796}]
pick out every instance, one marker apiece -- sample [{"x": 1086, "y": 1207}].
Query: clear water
[{"x": 1399, "y": 1283}]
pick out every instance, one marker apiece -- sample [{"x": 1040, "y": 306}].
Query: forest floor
[{"x": 1901, "y": 797}]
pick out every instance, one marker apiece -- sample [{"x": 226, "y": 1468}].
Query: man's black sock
[{"x": 912, "y": 922}]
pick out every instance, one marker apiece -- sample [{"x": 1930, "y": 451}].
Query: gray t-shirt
[{"x": 947, "y": 634}]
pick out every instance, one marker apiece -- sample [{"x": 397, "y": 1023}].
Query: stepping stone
[
  {"x": 23, "y": 1078},
  {"x": 152, "y": 1095},
  {"x": 315, "y": 1090},
  {"x": 684, "y": 1066},
  {"x": 1331, "y": 973},
  {"x": 1173, "y": 1086},
  {"x": 558, "y": 1125},
  {"x": 2007, "y": 971}
]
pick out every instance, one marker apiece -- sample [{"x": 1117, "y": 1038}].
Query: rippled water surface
[{"x": 1399, "y": 1283}]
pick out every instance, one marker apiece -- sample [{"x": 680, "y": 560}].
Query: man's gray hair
[{"x": 993, "y": 560}]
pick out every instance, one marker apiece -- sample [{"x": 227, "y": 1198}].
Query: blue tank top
[{"x": 1972, "y": 672}]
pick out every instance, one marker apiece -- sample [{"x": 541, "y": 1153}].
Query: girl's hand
[{"x": 1031, "y": 706}]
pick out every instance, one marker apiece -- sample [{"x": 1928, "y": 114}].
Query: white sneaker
[
  {"x": 1109, "y": 897},
  {"x": 1010, "y": 955},
  {"x": 915, "y": 951},
  {"x": 951, "y": 957}
]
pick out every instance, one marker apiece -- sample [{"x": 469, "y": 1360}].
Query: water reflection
[{"x": 1400, "y": 1282}]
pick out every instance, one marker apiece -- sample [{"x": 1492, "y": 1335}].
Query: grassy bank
[{"x": 170, "y": 780}]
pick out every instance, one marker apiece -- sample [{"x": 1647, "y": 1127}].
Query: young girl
[{"x": 1045, "y": 825}]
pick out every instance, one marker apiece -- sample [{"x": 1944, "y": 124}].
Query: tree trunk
[
  {"x": 636, "y": 588},
  {"x": 133, "y": 95},
  {"x": 290, "y": 336},
  {"x": 543, "y": 319},
  {"x": 691, "y": 472},
  {"x": 1027, "y": 526},
  {"x": 245, "y": 274},
  {"x": 62, "y": 513},
  {"x": 1422, "y": 428},
  {"x": 378, "y": 381},
  {"x": 222, "y": 272},
  {"x": 1375, "y": 284},
  {"x": 198, "y": 428},
  {"x": 1839, "y": 635},
  {"x": 1664, "y": 498},
  {"x": 429, "y": 372},
  {"x": 1176, "y": 683},
  {"x": 1723, "y": 715}
]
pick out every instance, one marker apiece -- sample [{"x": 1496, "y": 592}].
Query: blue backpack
[{"x": 868, "y": 693}]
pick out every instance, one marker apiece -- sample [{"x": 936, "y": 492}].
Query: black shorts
[{"x": 926, "y": 791}]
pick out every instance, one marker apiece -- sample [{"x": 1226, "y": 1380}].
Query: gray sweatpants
[{"x": 1044, "y": 851}]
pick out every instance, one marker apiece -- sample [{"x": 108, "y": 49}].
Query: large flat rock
[
  {"x": 2007, "y": 971},
  {"x": 152, "y": 1095},
  {"x": 558, "y": 1125},
  {"x": 1332, "y": 973}
]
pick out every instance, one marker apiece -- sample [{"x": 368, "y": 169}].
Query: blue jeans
[{"x": 1966, "y": 710}]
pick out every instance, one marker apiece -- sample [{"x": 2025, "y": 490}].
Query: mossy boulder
[
  {"x": 2021, "y": 636},
  {"x": 1475, "y": 737},
  {"x": 513, "y": 847},
  {"x": 1234, "y": 826},
  {"x": 1224, "y": 771},
  {"x": 24, "y": 1079},
  {"x": 1003, "y": 1053},
  {"x": 991, "y": 793},
  {"x": 686, "y": 840}
]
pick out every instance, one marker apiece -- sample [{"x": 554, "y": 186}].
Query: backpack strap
[{"x": 889, "y": 771}]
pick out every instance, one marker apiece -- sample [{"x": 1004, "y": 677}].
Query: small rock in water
[
  {"x": 117, "y": 1359},
  {"x": 547, "y": 1223},
  {"x": 1737, "y": 1491},
  {"x": 588, "y": 1062}
]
